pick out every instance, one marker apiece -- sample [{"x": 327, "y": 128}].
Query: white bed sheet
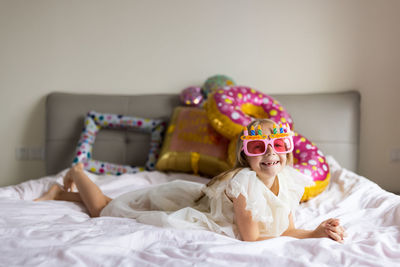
[{"x": 58, "y": 233}]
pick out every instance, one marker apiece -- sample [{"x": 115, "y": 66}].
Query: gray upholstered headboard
[{"x": 331, "y": 120}]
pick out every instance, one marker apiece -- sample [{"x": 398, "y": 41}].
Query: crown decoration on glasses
[{"x": 282, "y": 131}]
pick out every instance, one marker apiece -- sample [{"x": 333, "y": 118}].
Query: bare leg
[
  {"x": 88, "y": 192},
  {"x": 57, "y": 193}
]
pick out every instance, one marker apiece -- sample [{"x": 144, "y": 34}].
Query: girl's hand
[
  {"x": 69, "y": 177},
  {"x": 330, "y": 228}
]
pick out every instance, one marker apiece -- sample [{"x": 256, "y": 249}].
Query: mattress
[{"x": 59, "y": 233}]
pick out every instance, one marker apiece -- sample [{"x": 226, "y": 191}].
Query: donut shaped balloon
[
  {"x": 191, "y": 96},
  {"x": 308, "y": 159},
  {"x": 215, "y": 82},
  {"x": 232, "y": 108}
]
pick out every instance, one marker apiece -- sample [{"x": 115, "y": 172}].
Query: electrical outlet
[
  {"x": 395, "y": 155},
  {"x": 29, "y": 153},
  {"x": 22, "y": 153},
  {"x": 36, "y": 153}
]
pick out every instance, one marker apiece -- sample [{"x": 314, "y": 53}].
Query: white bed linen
[{"x": 58, "y": 233}]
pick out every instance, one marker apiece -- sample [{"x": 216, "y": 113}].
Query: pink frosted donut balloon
[
  {"x": 191, "y": 96},
  {"x": 309, "y": 160},
  {"x": 232, "y": 108}
]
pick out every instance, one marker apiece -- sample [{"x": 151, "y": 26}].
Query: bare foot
[{"x": 52, "y": 194}]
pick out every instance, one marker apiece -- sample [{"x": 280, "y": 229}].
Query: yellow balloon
[{"x": 191, "y": 145}]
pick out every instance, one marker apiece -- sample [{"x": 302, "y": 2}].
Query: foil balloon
[{"x": 191, "y": 96}]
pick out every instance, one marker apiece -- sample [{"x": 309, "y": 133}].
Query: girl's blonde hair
[{"x": 241, "y": 157}]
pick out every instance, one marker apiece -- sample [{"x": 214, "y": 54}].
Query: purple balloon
[{"x": 191, "y": 96}]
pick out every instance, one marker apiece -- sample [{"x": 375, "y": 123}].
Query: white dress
[{"x": 173, "y": 204}]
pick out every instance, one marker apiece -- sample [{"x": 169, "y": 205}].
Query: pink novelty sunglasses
[
  {"x": 259, "y": 146},
  {"x": 256, "y": 143}
]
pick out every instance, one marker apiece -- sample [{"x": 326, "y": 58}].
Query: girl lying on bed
[{"x": 254, "y": 201}]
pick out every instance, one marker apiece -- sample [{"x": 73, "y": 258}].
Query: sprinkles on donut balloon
[{"x": 234, "y": 107}]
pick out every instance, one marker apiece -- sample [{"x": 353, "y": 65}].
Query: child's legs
[
  {"x": 68, "y": 196},
  {"x": 90, "y": 194},
  {"x": 57, "y": 193}
]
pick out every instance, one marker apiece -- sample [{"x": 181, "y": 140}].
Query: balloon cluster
[
  {"x": 195, "y": 96},
  {"x": 230, "y": 107}
]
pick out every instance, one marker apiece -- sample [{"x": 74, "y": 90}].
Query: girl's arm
[
  {"x": 329, "y": 228},
  {"x": 249, "y": 231},
  {"x": 297, "y": 233},
  {"x": 248, "y": 228}
]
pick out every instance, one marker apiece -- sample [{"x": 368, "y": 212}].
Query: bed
[{"x": 58, "y": 233}]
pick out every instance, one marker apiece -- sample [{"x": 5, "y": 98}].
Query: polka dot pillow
[{"x": 95, "y": 121}]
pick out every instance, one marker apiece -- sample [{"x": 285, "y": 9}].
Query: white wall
[
  {"x": 379, "y": 82},
  {"x": 131, "y": 47}
]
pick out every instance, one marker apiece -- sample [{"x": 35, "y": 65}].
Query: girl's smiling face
[{"x": 269, "y": 164}]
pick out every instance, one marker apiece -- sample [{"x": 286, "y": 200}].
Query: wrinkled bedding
[{"x": 59, "y": 233}]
